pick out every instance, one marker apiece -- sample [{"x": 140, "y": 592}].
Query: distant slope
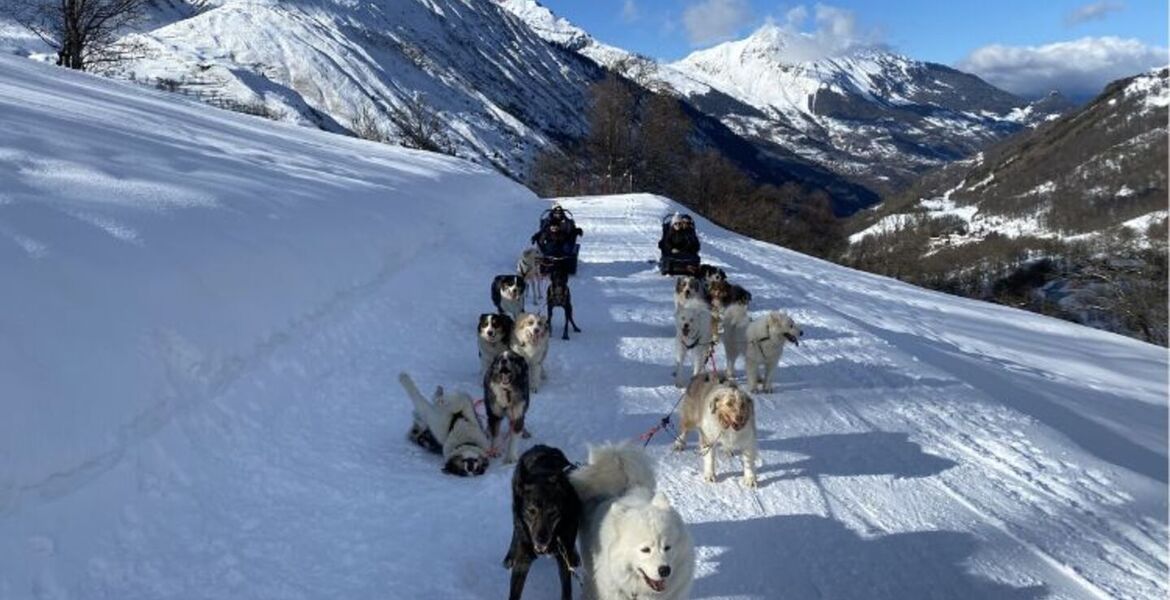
[{"x": 204, "y": 316}]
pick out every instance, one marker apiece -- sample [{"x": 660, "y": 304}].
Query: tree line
[{"x": 642, "y": 141}]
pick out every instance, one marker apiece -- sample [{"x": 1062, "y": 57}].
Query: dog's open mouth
[{"x": 658, "y": 585}]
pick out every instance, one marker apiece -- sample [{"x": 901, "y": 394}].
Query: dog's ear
[{"x": 438, "y": 392}]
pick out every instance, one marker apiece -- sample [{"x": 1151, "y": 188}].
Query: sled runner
[{"x": 679, "y": 246}]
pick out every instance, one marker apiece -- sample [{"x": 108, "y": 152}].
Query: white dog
[
  {"x": 528, "y": 268},
  {"x": 734, "y": 322},
  {"x": 448, "y": 425},
  {"x": 633, "y": 543},
  {"x": 765, "y": 344},
  {"x": 530, "y": 340},
  {"x": 724, "y": 416},
  {"x": 692, "y": 336}
]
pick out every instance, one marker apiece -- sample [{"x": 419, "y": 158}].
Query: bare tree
[
  {"x": 82, "y": 32},
  {"x": 611, "y": 143},
  {"x": 420, "y": 125},
  {"x": 367, "y": 124}
]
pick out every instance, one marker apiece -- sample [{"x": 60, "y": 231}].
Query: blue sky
[{"x": 989, "y": 37}]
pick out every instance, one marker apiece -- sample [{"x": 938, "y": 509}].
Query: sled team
[{"x": 633, "y": 544}]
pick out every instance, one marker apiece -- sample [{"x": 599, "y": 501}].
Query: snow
[
  {"x": 208, "y": 407},
  {"x": 1152, "y": 87}
]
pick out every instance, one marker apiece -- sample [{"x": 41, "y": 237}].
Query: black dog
[
  {"x": 505, "y": 394},
  {"x": 710, "y": 273},
  {"x": 559, "y": 295},
  {"x": 545, "y": 515}
]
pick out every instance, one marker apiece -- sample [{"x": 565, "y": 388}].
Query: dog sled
[
  {"x": 679, "y": 246},
  {"x": 557, "y": 240}
]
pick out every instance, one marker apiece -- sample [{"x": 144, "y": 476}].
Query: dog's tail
[
  {"x": 416, "y": 397},
  {"x": 612, "y": 470}
]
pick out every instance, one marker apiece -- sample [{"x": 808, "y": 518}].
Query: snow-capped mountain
[
  {"x": 1099, "y": 168},
  {"x": 865, "y": 113},
  {"x": 869, "y": 113},
  {"x": 497, "y": 91}
]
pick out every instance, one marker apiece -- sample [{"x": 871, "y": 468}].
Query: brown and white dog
[
  {"x": 722, "y": 294},
  {"x": 528, "y": 268},
  {"x": 765, "y": 344},
  {"x": 688, "y": 289},
  {"x": 724, "y": 415},
  {"x": 530, "y": 340},
  {"x": 710, "y": 274},
  {"x": 508, "y": 294},
  {"x": 494, "y": 334}
]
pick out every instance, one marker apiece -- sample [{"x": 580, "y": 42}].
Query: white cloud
[
  {"x": 1076, "y": 68},
  {"x": 629, "y": 11},
  {"x": 834, "y": 32},
  {"x": 1094, "y": 11},
  {"x": 710, "y": 21}
]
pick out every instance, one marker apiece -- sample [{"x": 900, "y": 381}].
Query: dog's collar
[{"x": 691, "y": 346}]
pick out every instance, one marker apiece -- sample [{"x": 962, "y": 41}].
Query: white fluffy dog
[
  {"x": 530, "y": 340},
  {"x": 633, "y": 543},
  {"x": 724, "y": 416},
  {"x": 692, "y": 337},
  {"x": 528, "y": 267},
  {"x": 734, "y": 323},
  {"x": 765, "y": 344}
]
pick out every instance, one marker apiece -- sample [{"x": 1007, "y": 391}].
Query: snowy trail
[{"x": 208, "y": 408}]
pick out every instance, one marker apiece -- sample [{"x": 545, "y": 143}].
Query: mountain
[
  {"x": 494, "y": 90},
  {"x": 867, "y": 114},
  {"x": 1076, "y": 209},
  {"x": 205, "y": 314}
]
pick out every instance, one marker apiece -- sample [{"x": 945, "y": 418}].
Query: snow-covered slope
[
  {"x": 499, "y": 90},
  {"x": 869, "y": 113},
  {"x": 205, "y": 313}
]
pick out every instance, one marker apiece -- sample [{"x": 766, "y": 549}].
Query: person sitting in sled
[
  {"x": 558, "y": 233},
  {"x": 680, "y": 238}
]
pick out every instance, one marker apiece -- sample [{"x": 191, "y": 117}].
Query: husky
[
  {"x": 494, "y": 334},
  {"x": 530, "y": 340},
  {"x": 545, "y": 516},
  {"x": 765, "y": 344},
  {"x": 725, "y": 416},
  {"x": 693, "y": 337},
  {"x": 559, "y": 295},
  {"x": 505, "y": 395},
  {"x": 633, "y": 543},
  {"x": 448, "y": 425},
  {"x": 508, "y": 294},
  {"x": 528, "y": 268}
]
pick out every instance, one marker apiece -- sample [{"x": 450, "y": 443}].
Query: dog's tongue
[{"x": 657, "y": 585}]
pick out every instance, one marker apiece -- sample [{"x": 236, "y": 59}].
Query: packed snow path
[{"x": 199, "y": 360}]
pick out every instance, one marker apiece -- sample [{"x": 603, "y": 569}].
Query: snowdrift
[{"x": 203, "y": 316}]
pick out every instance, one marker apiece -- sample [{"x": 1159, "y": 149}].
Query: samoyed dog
[{"x": 633, "y": 543}]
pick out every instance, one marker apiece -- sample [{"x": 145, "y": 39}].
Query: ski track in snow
[{"x": 916, "y": 446}]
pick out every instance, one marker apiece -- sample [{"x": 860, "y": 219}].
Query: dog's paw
[
  {"x": 524, "y": 434},
  {"x": 749, "y": 480},
  {"x": 709, "y": 477},
  {"x": 679, "y": 445},
  {"x": 509, "y": 561}
]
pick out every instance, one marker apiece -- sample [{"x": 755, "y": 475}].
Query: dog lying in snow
[
  {"x": 545, "y": 516},
  {"x": 633, "y": 543},
  {"x": 765, "y": 344},
  {"x": 530, "y": 340},
  {"x": 448, "y": 425},
  {"x": 508, "y": 294},
  {"x": 494, "y": 332},
  {"x": 724, "y": 416}
]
